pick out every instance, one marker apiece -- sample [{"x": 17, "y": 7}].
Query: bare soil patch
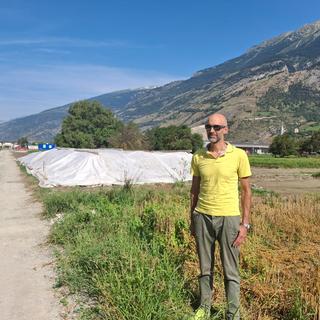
[{"x": 286, "y": 181}]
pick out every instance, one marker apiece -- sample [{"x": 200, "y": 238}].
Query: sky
[{"x": 56, "y": 52}]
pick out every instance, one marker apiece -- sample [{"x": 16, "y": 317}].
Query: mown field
[
  {"x": 128, "y": 253},
  {"x": 268, "y": 161}
]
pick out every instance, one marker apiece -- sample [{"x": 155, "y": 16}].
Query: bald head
[{"x": 217, "y": 118}]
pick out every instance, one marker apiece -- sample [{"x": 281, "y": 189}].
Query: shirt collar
[{"x": 229, "y": 148}]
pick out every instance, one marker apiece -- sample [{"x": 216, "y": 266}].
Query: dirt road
[{"x": 26, "y": 272}]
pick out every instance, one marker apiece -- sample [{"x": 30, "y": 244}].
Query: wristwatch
[{"x": 246, "y": 225}]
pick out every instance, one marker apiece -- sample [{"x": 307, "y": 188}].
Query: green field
[
  {"x": 128, "y": 251},
  {"x": 268, "y": 161}
]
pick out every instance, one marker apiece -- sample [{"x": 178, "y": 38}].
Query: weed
[{"x": 298, "y": 310}]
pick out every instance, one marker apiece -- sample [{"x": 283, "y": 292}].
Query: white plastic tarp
[{"x": 72, "y": 167}]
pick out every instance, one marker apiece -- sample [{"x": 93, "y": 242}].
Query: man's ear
[{"x": 226, "y": 130}]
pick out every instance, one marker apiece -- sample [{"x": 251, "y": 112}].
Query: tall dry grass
[
  {"x": 280, "y": 262},
  {"x": 283, "y": 257}
]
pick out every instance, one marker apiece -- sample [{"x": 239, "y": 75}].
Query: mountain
[
  {"x": 274, "y": 83},
  {"x": 43, "y": 126}
]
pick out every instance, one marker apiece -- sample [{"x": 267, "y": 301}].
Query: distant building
[
  {"x": 249, "y": 148},
  {"x": 282, "y": 129},
  {"x": 7, "y": 145},
  {"x": 33, "y": 147},
  {"x": 253, "y": 148}
]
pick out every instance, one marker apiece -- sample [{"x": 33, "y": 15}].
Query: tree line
[
  {"x": 286, "y": 145},
  {"x": 90, "y": 125}
]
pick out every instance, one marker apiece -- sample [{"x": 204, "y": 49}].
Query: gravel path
[{"x": 26, "y": 271}]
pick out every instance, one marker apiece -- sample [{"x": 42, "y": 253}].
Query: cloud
[
  {"x": 52, "y": 51},
  {"x": 30, "y": 90},
  {"x": 71, "y": 42}
]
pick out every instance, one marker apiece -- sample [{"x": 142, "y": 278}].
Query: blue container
[{"x": 46, "y": 146}]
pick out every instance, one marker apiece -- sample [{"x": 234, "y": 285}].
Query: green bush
[{"x": 283, "y": 146}]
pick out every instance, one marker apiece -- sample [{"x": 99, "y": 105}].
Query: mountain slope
[
  {"x": 237, "y": 87},
  {"x": 274, "y": 83},
  {"x": 43, "y": 126}
]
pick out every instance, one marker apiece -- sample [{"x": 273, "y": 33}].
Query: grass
[
  {"x": 268, "y": 161},
  {"x": 128, "y": 250},
  {"x": 316, "y": 175},
  {"x": 116, "y": 255},
  {"x": 257, "y": 191}
]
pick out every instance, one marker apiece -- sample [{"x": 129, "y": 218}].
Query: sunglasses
[{"x": 215, "y": 127}]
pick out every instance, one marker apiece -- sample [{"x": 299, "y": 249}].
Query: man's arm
[
  {"x": 245, "y": 199},
  {"x": 194, "y": 194},
  {"x": 245, "y": 206}
]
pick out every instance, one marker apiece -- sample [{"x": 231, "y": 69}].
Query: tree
[
  {"x": 283, "y": 145},
  {"x": 197, "y": 142},
  {"x": 311, "y": 144},
  {"x": 23, "y": 142},
  {"x": 129, "y": 137},
  {"x": 88, "y": 125},
  {"x": 173, "y": 138}
]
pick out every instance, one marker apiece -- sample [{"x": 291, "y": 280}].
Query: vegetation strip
[
  {"x": 289, "y": 162},
  {"x": 129, "y": 251}
]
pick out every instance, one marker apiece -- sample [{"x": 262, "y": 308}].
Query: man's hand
[
  {"x": 194, "y": 193},
  {"x": 242, "y": 235},
  {"x": 192, "y": 229}
]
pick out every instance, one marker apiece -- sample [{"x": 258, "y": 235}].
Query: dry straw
[{"x": 280, "y": 262}]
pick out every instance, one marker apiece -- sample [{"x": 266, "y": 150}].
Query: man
[{"x": 215, "y": 215}]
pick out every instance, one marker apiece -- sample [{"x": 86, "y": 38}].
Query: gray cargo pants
[{"x": 225, "y": 229}]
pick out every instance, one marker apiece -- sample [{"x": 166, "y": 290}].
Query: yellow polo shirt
[{"x": 219, "y": 194}]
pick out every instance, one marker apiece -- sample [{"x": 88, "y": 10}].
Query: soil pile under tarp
[{"x": 71, "y": 167}]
